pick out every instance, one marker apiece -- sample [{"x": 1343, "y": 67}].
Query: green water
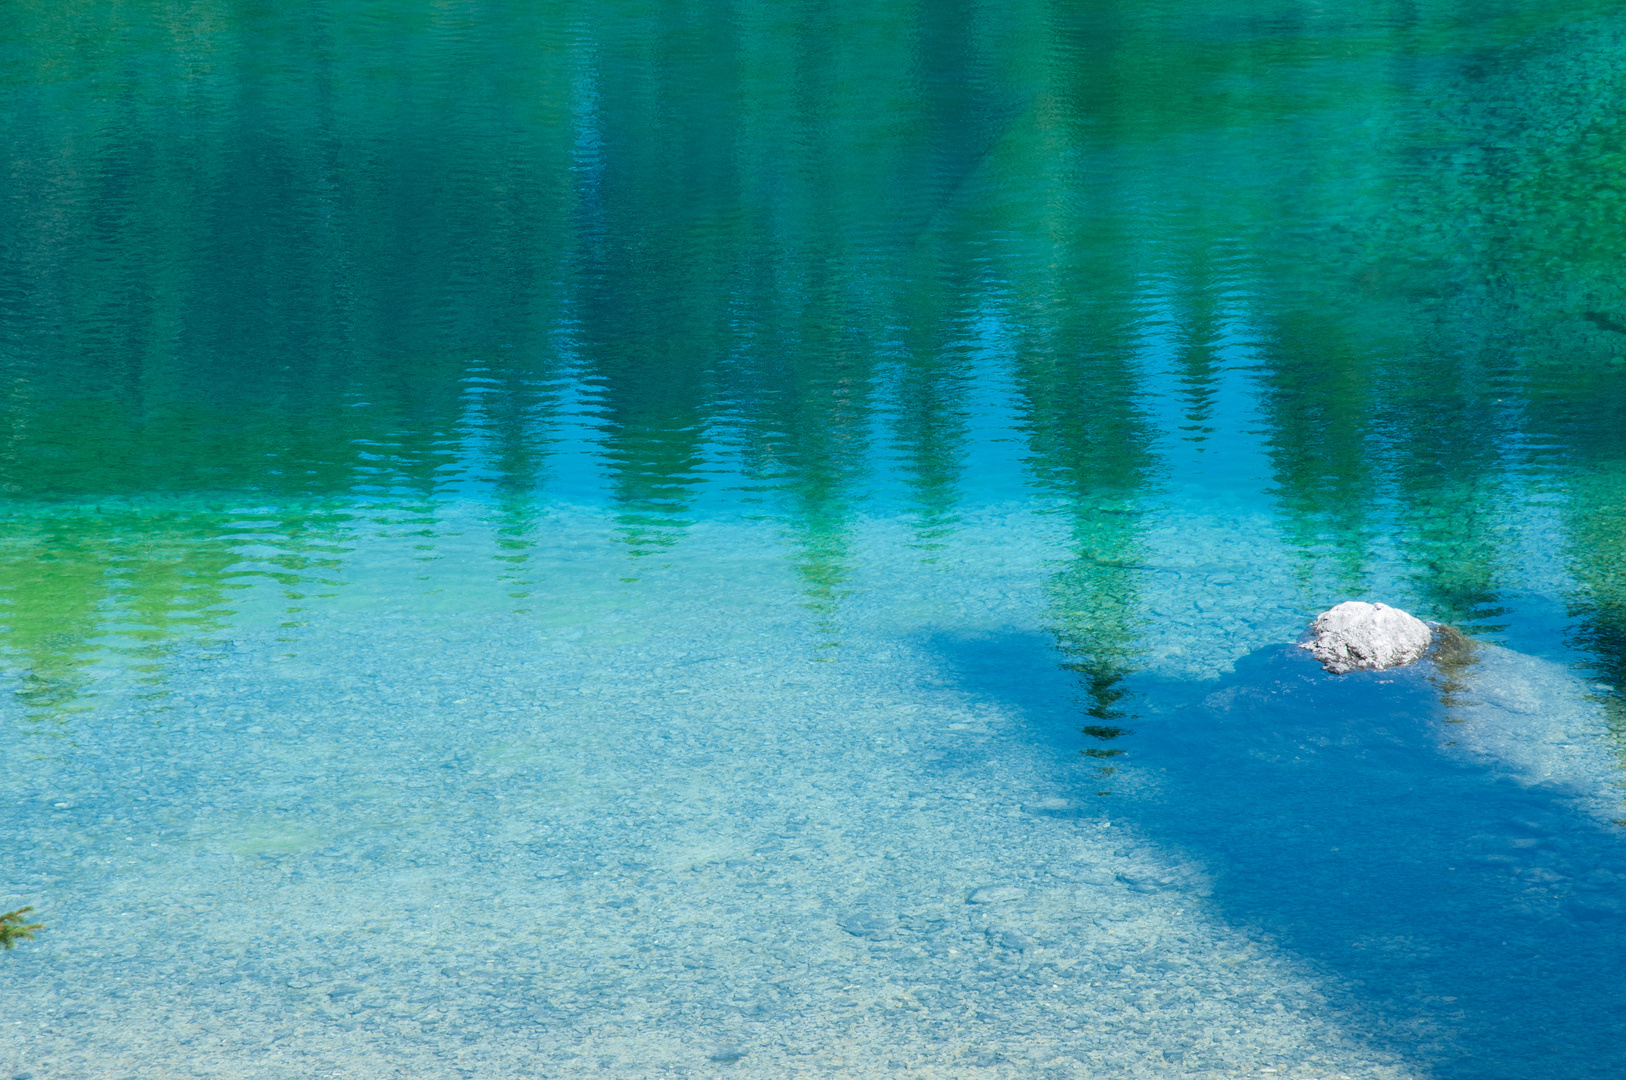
[
  {"x": 765, "y": 261},
  {"x": 1134, "y": 332}
]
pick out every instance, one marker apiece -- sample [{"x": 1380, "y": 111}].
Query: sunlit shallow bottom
[{"x": 683, "y": 825}]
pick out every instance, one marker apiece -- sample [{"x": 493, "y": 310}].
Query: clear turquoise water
[{"x": 583, "y": 539}]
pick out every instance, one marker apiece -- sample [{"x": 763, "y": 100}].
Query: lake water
[{"x": 767, "y": 539}]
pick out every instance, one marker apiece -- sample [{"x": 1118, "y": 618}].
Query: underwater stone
[
  {"x": 997, "y": 894},
  {"x": 1356, "y": 635}
]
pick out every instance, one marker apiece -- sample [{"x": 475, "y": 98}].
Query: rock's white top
[{"x": 1371, "y": 636}]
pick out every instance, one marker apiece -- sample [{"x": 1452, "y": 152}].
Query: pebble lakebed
[{"x": 662, "y": 839}]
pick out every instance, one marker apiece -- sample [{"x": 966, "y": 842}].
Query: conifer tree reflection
[
  {"x": 276, "y": 310},
  {"x": 1090, "y": 446},
  {"x": 1549, "y": 232},
  {"x": 1317, "y": 396},
  {"x": 805, "y": 387},
  {"x": 81, "y": 588},
  {"x": 654, "y": 264}
]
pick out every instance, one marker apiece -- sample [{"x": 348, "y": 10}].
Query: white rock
[{"x": 1370, "y": 636}]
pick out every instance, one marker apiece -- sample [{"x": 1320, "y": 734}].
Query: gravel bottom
[{"x": 642, "y": 831}]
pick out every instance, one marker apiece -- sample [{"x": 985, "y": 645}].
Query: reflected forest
[{"x": 236, "y": 281}]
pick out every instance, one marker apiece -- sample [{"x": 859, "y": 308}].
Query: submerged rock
[
  {"x": 997, "y": 894},
  {"x": 1359, "y": 636}
]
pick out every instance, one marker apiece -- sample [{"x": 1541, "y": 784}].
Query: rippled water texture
[{"x": 766, "y": 539}]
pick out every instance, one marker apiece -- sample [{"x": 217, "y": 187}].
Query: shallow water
[{"x": 563, "y": 540}]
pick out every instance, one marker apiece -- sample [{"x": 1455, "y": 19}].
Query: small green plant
[
  {"x": 1101, "y": 731},
  {"x": 13, "y": 929}
]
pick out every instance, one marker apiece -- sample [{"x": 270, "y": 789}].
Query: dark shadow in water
[{"x": 1480, "y": 922}]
